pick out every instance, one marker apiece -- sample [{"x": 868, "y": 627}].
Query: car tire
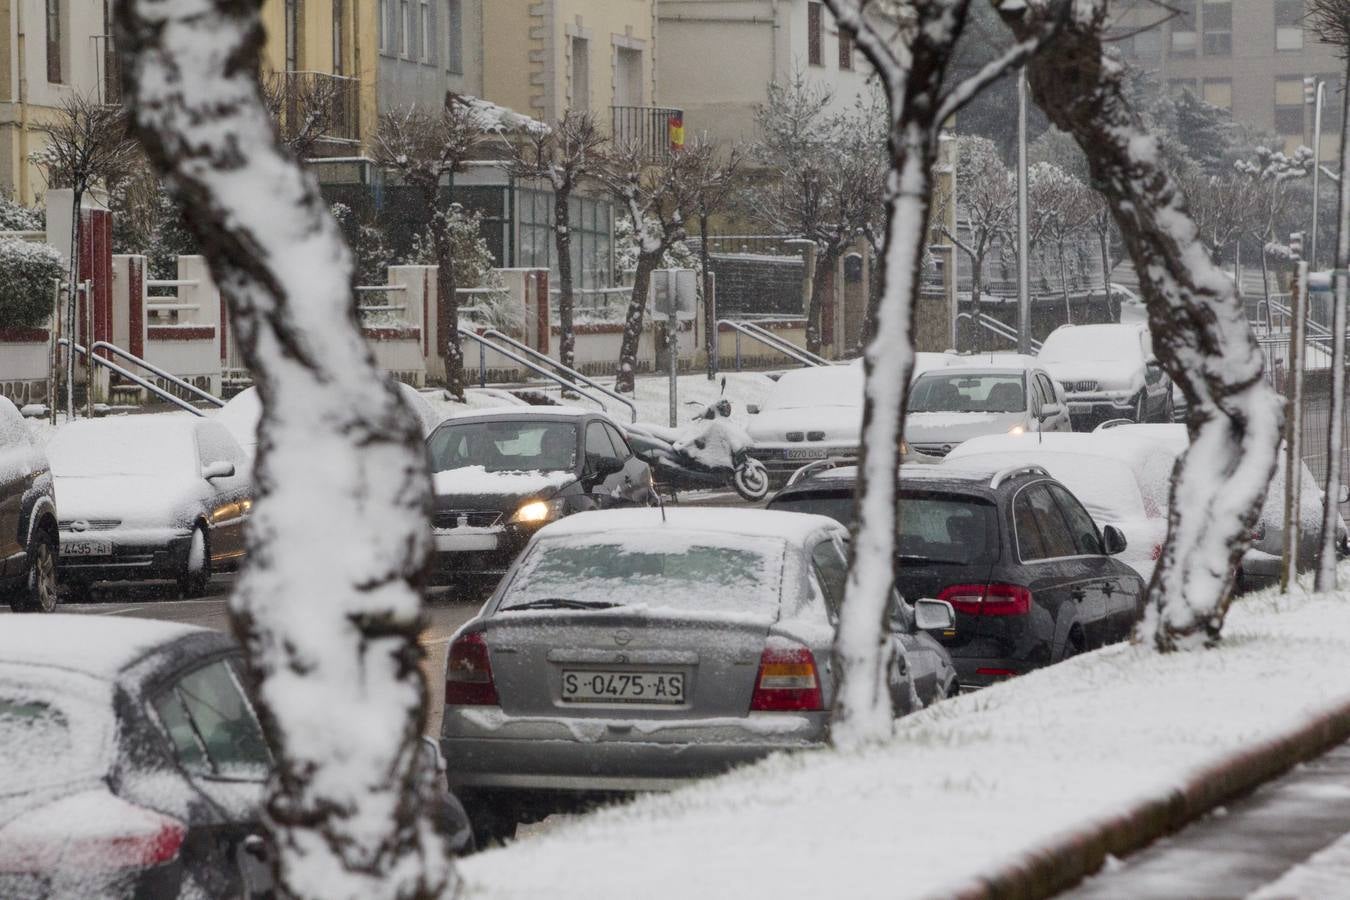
[
  {"x": 1074, "y": 646},
  {"x": 38, "y": 593},
  {"x": 197, "y": 569}
]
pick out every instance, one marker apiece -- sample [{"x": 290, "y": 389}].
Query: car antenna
[{"x": 662, "y": 506}]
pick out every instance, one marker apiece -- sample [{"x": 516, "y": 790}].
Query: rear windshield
[
  {"x": 934, "y": 528},
  {"x": 51, "y": 733},
  {"x": 654, "y": 571},
  {"x": 992, "y": 393},
  {"x": 510, "y": 446}
]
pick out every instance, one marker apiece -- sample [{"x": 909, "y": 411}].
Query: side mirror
[
  {"x": 1343, "y": 495},
  {"x": 934, "y": 615},
  {"x": 1114, "y": 539},
  {"x": 218, "y": 469},
  {"x": 1049, "y": 411},
  {"x": 605, "y": 466},
  {"x": 752, "y": 408}
]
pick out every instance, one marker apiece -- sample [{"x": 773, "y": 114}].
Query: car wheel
[
  {"x": 197, "y": 571},
  {"x": 1073, "y": 646},
  {"x": 39, "y": 591}
]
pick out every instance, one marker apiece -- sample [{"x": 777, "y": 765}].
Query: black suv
[
  {"x": 29, "y": 540},
  {"x": 1029, "y": 573}
]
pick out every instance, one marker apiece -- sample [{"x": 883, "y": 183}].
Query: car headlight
[
  {"x": 536, "y": 512},
  {"x": 1017, "y": 429}
]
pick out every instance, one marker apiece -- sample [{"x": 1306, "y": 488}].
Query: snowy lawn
[{"x": 966, "y": 786}]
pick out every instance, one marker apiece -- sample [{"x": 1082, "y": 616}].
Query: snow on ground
[
  {"x": 966, "y": 786},
  {"x": 1325, "y": 874}
]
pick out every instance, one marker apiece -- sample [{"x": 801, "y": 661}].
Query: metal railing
[
  {"x": 990, "y": 324},
  {"x": 486, "y": 344},
  {"x": 133, "y": 377},
  {"x": 772, "y": 341},
  {"x": 156, "y": 370},
  {"x": 545, "y": 359},
  {"x": 647, "y": 127}
]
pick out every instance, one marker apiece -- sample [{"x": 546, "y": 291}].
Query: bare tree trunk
[
  {"x": 632, "y": 324},
  {"x": 977, "y": 300},
  {"x": 821, "y": 279},
  {"x": 1064, "y": 286},
  {"x": 330, "y": 630},
  {"x": 447, "y": 311},
  {"x": 73, "y": 301},
  {"x": 1102, "y": 243},
  {"x": 562, "y": 242},
  {"x": 1199, "y": 330},
  {"x": 709, "y": 301}
]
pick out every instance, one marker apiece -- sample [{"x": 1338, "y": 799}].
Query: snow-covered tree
[
  {"x": 716, "y": 185},
  {"x": 426, "y": 149},
  {"x": 304, "y": 108},
  {"x": 329, "y": 627},
  {"x": 27, "y": 274},
  {"x": 659, "y": 197},
  {"x": 910, "y": 54},
  {"x": 563, "y": 156},
  {"x": 986, "y": 198},
  {"x": 1268, "y": 176},
  {"x": 17, "y": 217},
  {"x": 1062, "y": 206},
  {"x": 1199, "y": 327}
]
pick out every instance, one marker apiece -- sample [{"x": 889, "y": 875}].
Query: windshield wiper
[{"x": 560, "y": 603}]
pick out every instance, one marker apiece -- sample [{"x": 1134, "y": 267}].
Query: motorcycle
[{"x": 708, "y": 453}]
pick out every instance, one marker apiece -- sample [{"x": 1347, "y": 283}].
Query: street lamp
[
  {"x": 1023, "y": 250},
  {"x": 1314, "y": 93}
]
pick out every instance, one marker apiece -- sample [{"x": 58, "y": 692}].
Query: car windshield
[
  {"x": 933, "y": 527},
  {"x": 510, "y": 446},
  {"x": 1089, "y": 344},
  {"x": 54, "y": 729},
  {"x": 103, "y": 448},
  {"x": 991, "y": 393},
  {"x": 656, "y": 570}
]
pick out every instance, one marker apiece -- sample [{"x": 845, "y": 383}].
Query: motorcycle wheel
[{"x": 751, "y": 480}]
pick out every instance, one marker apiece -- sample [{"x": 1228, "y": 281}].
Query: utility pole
[
  {"x": 1293, "y": 458},
  {"x": 1023, "y": 250},
  {"x": 1314, "y": 90}
]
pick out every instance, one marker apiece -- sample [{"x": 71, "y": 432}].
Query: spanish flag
[{"x": 675, "y": 130}]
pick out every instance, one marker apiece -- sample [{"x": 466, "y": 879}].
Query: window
[
  {"x": 628, "y": 77},
  {"x": 1148, "y": 44},
  {"x": 405, "y": 26},
  {"x": 832, "y": 570},
  {"x": 1177, "y": 85},
  {"x": 454, "y": 53},
  {"x": 1219, "y": 92},
  {"x": 815, "y": 50},
  {"x": 598, "y": 446},
  {"x": 1288, "y": 24},
  {"x": 581, "y": 74},
  {"x": 54, "y": 41},
  {"x": 1183, "y": 28},
  {"x": 592, "y": 245},
  {"x": 1042, "y": 532},
  {"x": 1087, "y": 541},
  {"x": 424, "y": 31},
  {"x": 383, "y": 26},
  {"x": 619, "y": 443},
  {"x": 211, "y": 725},
  {"x": 339, "y": 40},
  {"x": 1289, "y": 115},
  {"x": 845, "y": 50},
  {"x": 214, "y": 444},
  {"x": 1218, "y": 25}
]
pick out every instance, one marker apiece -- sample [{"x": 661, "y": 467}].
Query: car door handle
[
  {"x": 1078, "y": 594},
  {"x": 1109, "y": 587}
]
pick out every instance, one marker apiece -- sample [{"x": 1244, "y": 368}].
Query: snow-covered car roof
[
  {"x": 1011, "y": 361},
  {"x": 912, "y": 472},
  {"x": 723, "y": 522},
  {"x": 528, "y": 412},
  {"x": 975, "y": 369},
  {"x": 95, "y": 645}
]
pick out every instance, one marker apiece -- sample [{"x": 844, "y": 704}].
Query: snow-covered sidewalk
[{"x": 967, "y": 787}]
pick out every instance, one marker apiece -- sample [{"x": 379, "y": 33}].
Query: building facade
[
  {"x": 1246, "y": 56},
  {"x": 753, "y": 43}
]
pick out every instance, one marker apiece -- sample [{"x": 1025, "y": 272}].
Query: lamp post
[
  {"x": 1023, "y": 263},
  {"x": 1314, "y": 92}
]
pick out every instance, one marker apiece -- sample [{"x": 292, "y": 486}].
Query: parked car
[
  {"x": 1032, "y": 578},
  {"x": 634, "y": 650},
  {"x": 134, "y": 763},
  {"x": 149, "y": 497},
  {"x": 957, "y": 403},
  {"x": 28, "y": 532},
  {"x": 1108, "y": 372},
  {"x": 501, "y": 474},
  {"x": 1121, "y": 479}
]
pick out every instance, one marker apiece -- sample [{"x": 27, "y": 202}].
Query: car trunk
[
  {"x": 920, "y": 579},
  {"x": 566, "y": 663}
]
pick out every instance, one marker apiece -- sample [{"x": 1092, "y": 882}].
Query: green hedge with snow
[{"x": 26, "y": 274}]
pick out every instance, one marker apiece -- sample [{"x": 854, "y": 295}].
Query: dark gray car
[{"x": 635, "y": 650}]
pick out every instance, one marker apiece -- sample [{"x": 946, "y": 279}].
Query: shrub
[{"x": 26, "y": 274}]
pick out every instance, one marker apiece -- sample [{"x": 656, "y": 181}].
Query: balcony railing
[
  {"x": 655, "y": 129},
  {"x": 322, "y": 106}
]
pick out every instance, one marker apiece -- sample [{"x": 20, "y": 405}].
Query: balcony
[
  {"x": 317, "y": 109},
  {"x": 655, "y": 129}
]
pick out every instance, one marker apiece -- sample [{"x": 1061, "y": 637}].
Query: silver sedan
[{"x": 633, "y": 650}]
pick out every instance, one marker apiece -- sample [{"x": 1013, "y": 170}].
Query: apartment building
[
  {"x": 718, "y": 56},
  {"x": 1246, "y": 56}
]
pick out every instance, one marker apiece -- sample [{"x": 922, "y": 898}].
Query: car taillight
[
  {"x": 1156, "y": 553},
  {"x": 988, "y": 599},
  {"x": 468, "y": 673},
  {"x": 1259, "y": 532},
  {"x": 89, "y": 833},
  {"x": 787, "y": 680}
]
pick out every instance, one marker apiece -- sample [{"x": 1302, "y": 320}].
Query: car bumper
[
  {"x": 1100, "y": 407},
  {"x": 1259, "y": 570},
  {"x": 781, "y": 460},
  {"x": 133, "y": 554},
  {"x": 474, "y": 553},
  {"x": 485, "y": 749}
]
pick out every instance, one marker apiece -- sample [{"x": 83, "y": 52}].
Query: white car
[
  {"x": 1121, "y": 481},
  {"x": 148, "y": 497},
  {"x": 952, "y": 405},
  {"x": 1108, "y": 372}
]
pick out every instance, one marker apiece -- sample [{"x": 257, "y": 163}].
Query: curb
[{"x": 1066, "y": 859}]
